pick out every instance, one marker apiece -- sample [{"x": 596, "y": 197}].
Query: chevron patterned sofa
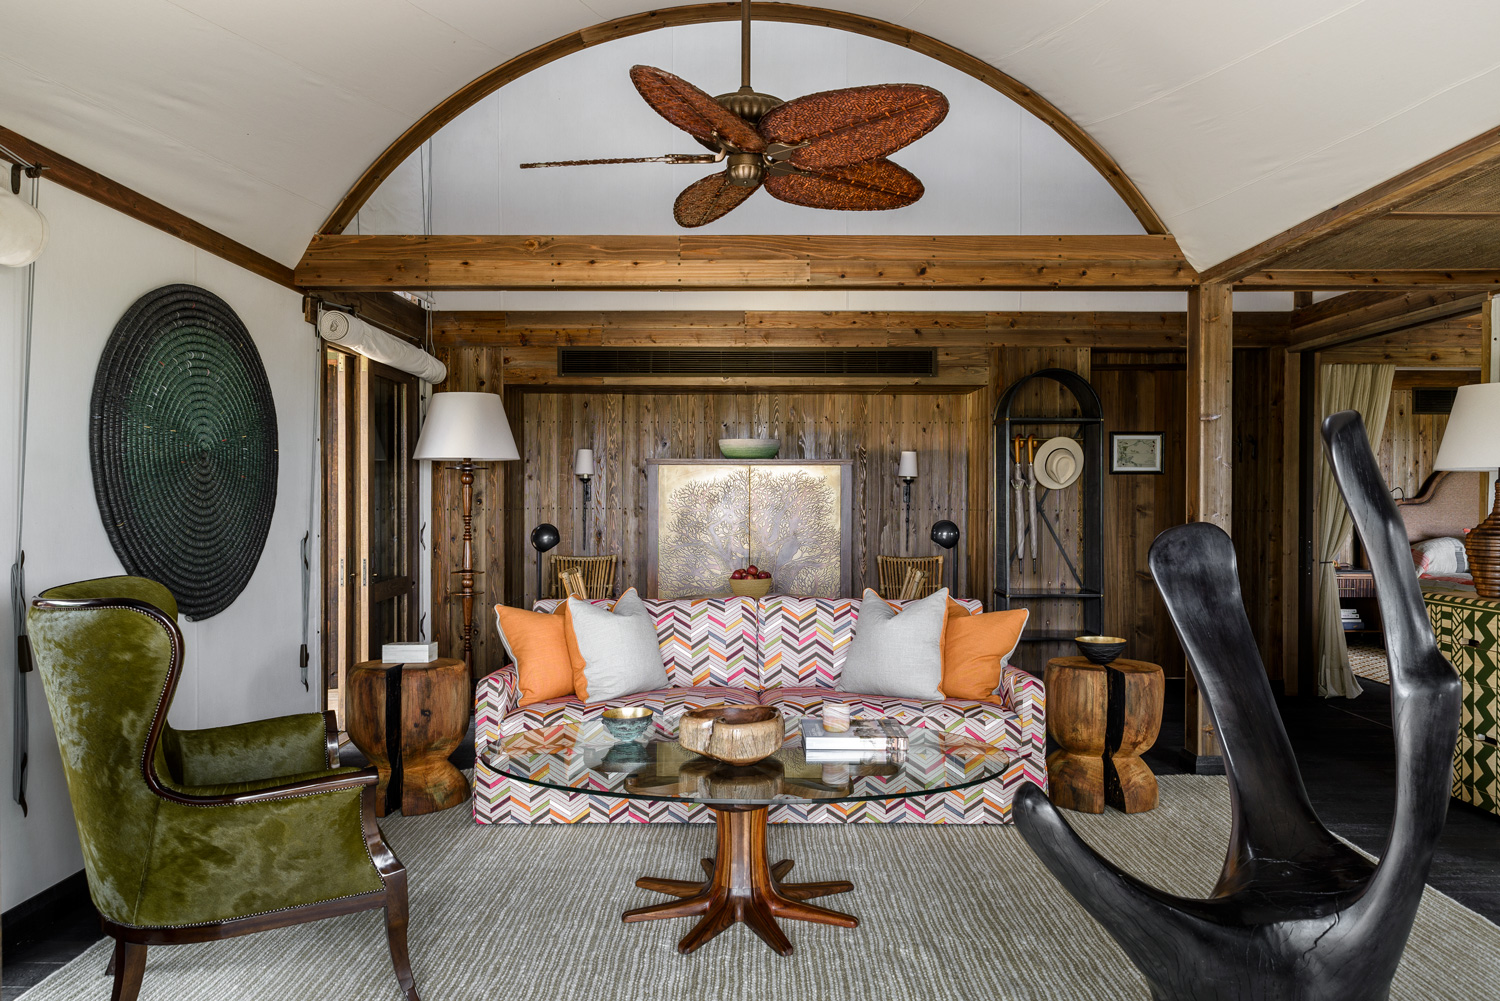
[{"x": 781, "y": 651}]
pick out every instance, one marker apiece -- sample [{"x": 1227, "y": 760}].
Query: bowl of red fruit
[{"x": 751, "y": 582}]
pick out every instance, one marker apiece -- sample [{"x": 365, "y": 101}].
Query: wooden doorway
[{"x": 370, "y": 529}]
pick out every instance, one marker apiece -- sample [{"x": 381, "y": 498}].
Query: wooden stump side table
[
  {"x": 407, "y": 719},
  {"x": 1102, "y": 719}
]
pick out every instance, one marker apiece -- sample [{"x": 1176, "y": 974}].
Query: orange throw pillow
[
  {"x": 537, "y": 643},
  {"x": 976, "y": 647}
]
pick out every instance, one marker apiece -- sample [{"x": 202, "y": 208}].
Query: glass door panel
[{"x": 369, "y": 514}]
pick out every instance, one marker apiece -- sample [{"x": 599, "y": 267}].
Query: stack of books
[
  {"x": 866, "y": 741},
  {"x": 1351, "y": 619}
]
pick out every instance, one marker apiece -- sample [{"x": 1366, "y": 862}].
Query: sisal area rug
[
  {"x": 1369, "y": 662},
  {"x": 533, "y": 914}
]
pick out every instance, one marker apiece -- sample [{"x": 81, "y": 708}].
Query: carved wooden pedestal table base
[{"x": 742, "y": 887}]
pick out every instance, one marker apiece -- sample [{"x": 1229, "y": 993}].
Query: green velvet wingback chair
[{"x": 193, "y": 835}]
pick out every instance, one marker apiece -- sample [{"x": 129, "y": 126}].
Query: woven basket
[
  {"x": 182, "y": 441},
  {"x": 751, "y": 588}
]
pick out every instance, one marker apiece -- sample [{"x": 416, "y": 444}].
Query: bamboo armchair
[
  {"x": 598, "y": 574},
  {"x": 894, "y": 571}
]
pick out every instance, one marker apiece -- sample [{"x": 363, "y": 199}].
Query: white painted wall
[{"x": 242, "y": 664}]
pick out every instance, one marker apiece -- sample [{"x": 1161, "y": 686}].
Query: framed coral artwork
[{"x": 708, "y": 517}]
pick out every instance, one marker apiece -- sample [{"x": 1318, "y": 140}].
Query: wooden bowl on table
[
  {"x": 751, "y": 587},
  {"x": 739, "y": 735}
]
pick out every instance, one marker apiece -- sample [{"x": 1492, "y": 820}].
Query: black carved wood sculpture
[{"x": 1296, "y": 914}]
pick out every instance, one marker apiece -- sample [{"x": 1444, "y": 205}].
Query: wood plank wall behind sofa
[{"x": 948, "y": 424}]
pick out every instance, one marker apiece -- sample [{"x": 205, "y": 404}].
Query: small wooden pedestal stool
[
  {"x": 407, "y": 719},
  {"x": 1103, "y": 718}
]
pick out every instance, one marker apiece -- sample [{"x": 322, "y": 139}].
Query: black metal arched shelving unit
[{"x": 1088, "y": 574}]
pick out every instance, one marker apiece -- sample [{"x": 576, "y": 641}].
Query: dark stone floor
[{"x": 1343, "y": 745}]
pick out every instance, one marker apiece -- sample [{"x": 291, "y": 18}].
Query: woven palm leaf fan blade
[
  {"x": 707, "y": 199},
  {"x": 838, "y": 127},
  {"x": 856, "y": 187},
  {"x": 694, "y": 111}
]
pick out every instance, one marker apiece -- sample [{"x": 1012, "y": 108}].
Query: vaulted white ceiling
[{"x": 1235, "y": 120}]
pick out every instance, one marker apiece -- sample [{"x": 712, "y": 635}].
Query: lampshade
[
  {"x": 466, "y": 426},
  {"x": 1472, "y": 439},
  {"x": 908, "y": 466},
  {"x": 23, "y": 230},
  {"x": 585, "y": 464}
]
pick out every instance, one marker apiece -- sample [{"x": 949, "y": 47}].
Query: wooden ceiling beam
[
  {"x": 1040, "y": 263},
  {"x": 1129, "y": 331},
  {"x": 1382, "y": 279},
  {"x": 1434, "y": 378},
  {"x": 1462, "y": 161},
  {"x": 1360, "y": 316},
  {"x": 91, "y": 184},
  {"x": 1439, "y": 345}
]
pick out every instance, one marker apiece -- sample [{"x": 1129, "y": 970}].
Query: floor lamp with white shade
[
  {"x": 1471, "y": 442},
  {"x": 464, "y": 429}
]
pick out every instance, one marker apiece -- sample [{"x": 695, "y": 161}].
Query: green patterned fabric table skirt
[{"x": 1468, "y": 634}]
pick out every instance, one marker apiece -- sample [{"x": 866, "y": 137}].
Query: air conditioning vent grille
[
  {"x": 1432, "y": 400},
  {"x": 908, "y": 362}
]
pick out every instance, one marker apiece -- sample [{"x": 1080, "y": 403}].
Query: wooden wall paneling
[
  {"x": 1258, "y": 517},
  {"x": 1046, "y": 398},
  {"x": 516, "y": 542},
  {"x": 870, "y": 430},
  {"x": 1142, "y": 392},
  {"x": 1291, "y": 519},
  {"x": 1409, "y": 445}
]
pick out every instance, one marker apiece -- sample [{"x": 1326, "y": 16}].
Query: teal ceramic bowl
[
  {"x": 749, "y": 448},
  {"x": 627, "y": 723}
]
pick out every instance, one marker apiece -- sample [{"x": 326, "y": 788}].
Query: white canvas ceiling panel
[
  {"x": 1236, "y": 121},
  {"x": 512, "y": 27},
  {"x": 975, "y": 165},
  {"x": 431, "y": 49},
  {"x": 1214, "y": 109}
]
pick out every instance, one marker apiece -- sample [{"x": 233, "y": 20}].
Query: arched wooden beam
[{"x": 671, "y": 17}]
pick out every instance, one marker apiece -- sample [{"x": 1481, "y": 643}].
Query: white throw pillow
[
  {"x": 899, "y": 655},
  {"x": 1440, "y": 557},
  {"x": 621, "y": 655}
]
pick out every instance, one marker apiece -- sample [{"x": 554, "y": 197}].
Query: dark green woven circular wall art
[{"x": 182, "y": 439}]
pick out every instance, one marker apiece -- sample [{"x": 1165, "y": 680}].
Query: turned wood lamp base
[{"x": 742, "y": 887}]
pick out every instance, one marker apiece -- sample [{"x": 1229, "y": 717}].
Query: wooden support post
[{"x": 1210, "y": 474}]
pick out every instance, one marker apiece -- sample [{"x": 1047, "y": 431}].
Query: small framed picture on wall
[{"x": 1135, "y": 451}]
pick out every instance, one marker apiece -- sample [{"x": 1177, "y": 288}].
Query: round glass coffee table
[{"x": 741, "y": 885}]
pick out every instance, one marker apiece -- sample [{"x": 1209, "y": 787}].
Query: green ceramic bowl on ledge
[{"x": 749, "y": 448}]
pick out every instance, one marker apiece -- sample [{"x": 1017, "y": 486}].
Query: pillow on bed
[{"x": 1440, "y": 557}]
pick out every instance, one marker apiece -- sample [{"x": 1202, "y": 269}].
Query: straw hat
[{"x": 1058, "y": 463}]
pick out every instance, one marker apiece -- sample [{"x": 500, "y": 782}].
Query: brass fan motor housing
[
  {"x": 749, "y": 104},
  {"x": 745, "y": 169}
]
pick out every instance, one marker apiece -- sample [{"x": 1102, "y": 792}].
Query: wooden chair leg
[
  {"x": 128, "y": 966},
  {"x": 395, "y": 930}
]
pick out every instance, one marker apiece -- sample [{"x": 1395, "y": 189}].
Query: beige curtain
[{"x": 1367, "y": 389}]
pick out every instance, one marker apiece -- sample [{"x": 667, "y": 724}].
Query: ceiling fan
[{"x": 825, "y": 151}]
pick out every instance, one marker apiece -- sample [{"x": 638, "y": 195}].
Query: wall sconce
[
  {"x": 583, "y": 468},
  {"x": 907, "y": 471}
]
